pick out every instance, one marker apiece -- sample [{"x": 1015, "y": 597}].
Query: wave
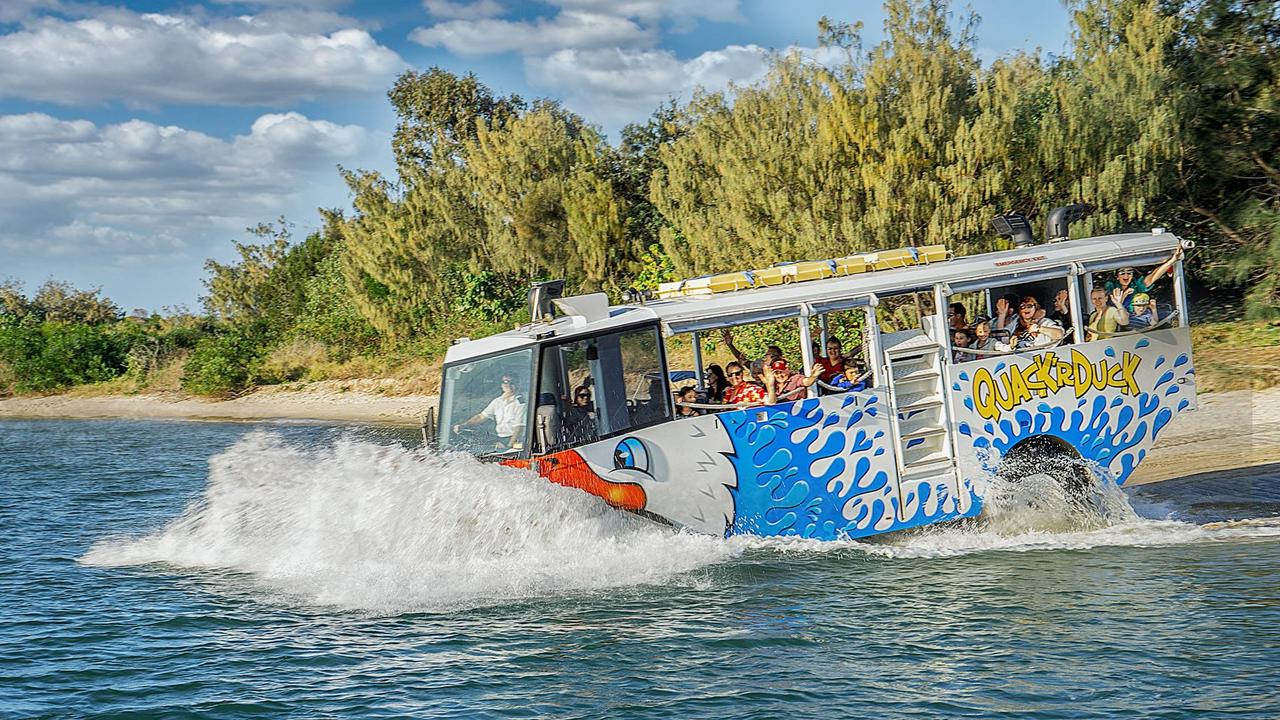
[
  {"x": 382, "y": 528},
  {"x": 1035, "y": 513}
]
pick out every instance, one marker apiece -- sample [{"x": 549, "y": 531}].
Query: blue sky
[{"x": 139, "y": 139}]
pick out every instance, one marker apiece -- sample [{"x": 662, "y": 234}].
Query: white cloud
[
  {"x": 617, "y": 85},
  {"x": 145, "y": 59},
  {"x": 463, "y": 10},
  {"x": 129, "y": 191},
  {"x": 650, "y": 10},
  {"x": 569, "y": 29}
]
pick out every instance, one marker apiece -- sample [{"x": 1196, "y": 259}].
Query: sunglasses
[
  {"x": 1029, "y": 305},
  {"x": 735, "y": 374},
  {"x": 583, "y": 396}
]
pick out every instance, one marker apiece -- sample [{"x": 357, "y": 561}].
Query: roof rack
[{"x": 792, "y": 272}]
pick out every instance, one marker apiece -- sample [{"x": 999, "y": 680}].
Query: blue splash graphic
[{"x": 800, "y": 474}]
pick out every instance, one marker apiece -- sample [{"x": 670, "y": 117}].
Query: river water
[{"x": 177, "y": 569}]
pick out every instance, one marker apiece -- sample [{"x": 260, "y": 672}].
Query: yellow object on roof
[{"x": 786, "y": 273}]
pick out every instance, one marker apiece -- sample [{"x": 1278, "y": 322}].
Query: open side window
[{"x": 595, "y": 387}]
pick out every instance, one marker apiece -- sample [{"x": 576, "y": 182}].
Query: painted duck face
[{"x": 681, "y": 467}]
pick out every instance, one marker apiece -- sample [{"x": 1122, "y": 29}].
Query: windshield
[{"x": 484, "y": 404}]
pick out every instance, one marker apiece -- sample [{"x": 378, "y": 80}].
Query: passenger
[
  {"x": 961, "y": 339},
  {"x": 717, "y": 383},
  {"x": 1144, "y": 313},
  {"x": 1062, "y": 309},
  {"x": 771, "y": 353},
  {"x": 833, "y": 364},
  {"x": 740, "y": 390},
  {"x": 1032, "y": 333},
  {"x": 982, "y": 339},
  {"x": 1108, "y": 315},
  {"x": 956, "y": 315},
  {"x": 787, "y": 384},
  {"x": 507, "y": 411},
  {"x": 685, "y": 396},
  {"x": 580, "y": 417},
  {"x": 1127, "y": 280},
  {"x": 1006, "y": 320},
  {"x": 849, "y": 381}
]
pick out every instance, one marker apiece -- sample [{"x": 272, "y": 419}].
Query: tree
[{"x": 1228, "y": 163}]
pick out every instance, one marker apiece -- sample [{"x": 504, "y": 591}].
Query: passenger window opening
[
  {"x": 599, "y": 386},
  {"x": 1024, "y": 317}
]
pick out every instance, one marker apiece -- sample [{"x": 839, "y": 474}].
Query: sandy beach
[
  {"x": 1229, "y": 430},
  {"x": 331, "y": 400}
]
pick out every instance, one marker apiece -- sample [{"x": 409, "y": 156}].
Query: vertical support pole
[
  {"x": 991, "y": 308},
  {"x": 806, "y": 346},
  {"x": 1077, "y": 309},
  {"x": 941, "y": 326},
  {"x": 697, "y": 360},
  {"x": 875, "y": 352},
  {"x": 1180, "y": 295},
  {"x": 823, "y": 334}
]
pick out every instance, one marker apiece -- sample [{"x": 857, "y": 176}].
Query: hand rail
[
  {"x": 1168, "y": 319},
  {"x": 992, "y": 353},
  {"x": 833, "y": 388}
]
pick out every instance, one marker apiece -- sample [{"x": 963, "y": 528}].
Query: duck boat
[{"x": 918, "y": 445}]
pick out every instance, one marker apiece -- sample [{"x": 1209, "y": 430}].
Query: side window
[
  {"x": 599, "y": 386},
  {"x": 648, "y": 393}
]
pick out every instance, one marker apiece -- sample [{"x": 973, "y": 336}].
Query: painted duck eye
[{"x": 631, "y": 455}]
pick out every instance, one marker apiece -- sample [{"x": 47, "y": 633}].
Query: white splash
[
  {"x": 1035, "y": 513},
  {"x": 372, "y": 527}
]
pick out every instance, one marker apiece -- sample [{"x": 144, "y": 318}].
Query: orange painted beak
[{"x": 567, "y": 468}]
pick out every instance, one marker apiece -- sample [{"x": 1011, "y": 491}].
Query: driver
[{"x": 507, "y": 411}]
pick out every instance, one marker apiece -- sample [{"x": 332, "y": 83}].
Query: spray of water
[{"x": 361, "y": 525}]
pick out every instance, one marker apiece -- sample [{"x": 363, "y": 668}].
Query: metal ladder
[{"x": 919, "y": 417}]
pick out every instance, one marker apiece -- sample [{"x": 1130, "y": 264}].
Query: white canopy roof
[{"x": 689, "y": 314}]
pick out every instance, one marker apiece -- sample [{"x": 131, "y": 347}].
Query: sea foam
[{"x": 382, "y": 528}]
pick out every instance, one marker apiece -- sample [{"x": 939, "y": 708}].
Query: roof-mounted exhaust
[
  {"x": 1059, "y": 221},
  {"x": 541, "y": 297},
  {"x": 1015, "y": 227}
]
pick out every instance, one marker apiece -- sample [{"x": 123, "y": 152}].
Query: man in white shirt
[{"x": 507, "y": 412}]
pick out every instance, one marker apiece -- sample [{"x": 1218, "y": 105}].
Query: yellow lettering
[
  {"x": 1048, "y": 374},
  {"x": 984, "y": 394}
]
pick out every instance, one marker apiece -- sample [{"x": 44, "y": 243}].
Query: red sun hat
[{"x": 780, "y": 365}]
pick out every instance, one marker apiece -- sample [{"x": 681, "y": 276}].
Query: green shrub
[
  {"x": 44, "y": 356},
  {"x": 225, "y": 363}
]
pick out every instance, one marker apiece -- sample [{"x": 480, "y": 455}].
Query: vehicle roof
[{"x": 692, "y": 313}]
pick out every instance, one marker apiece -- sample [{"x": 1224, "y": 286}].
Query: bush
[
  {"x": 225, "y": 363},
  {"x": 52, "y": 355}
]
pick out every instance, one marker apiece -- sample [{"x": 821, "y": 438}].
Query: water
[{"x": 167, "y": 569}]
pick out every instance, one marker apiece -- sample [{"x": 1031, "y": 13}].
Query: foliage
[
  {"x": 1227, "y": 65},
  {"x": 50, "y": 355},
  {"x": 330, "y": 315},
  {"x": 227, "y": 362}
]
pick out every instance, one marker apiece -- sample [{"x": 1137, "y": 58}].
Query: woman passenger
[
  {"x": 1029, "y": 332},
  {"x": 717, "y": 383}
]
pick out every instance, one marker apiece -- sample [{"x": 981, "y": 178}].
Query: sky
[{"x": 139, "y": 139}]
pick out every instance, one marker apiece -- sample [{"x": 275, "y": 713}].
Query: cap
[
  {"x": 780, "y": 365},
  {"x": 1141, "y": 299}
]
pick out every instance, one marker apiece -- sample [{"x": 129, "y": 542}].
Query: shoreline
[
  {"x": 326, "y": 403},
  {"x": 1230, "y": 430}
]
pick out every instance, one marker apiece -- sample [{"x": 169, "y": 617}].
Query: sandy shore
[
  {"x": 1230, "y": 430},
  {"x": 325, "y": 402}
]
